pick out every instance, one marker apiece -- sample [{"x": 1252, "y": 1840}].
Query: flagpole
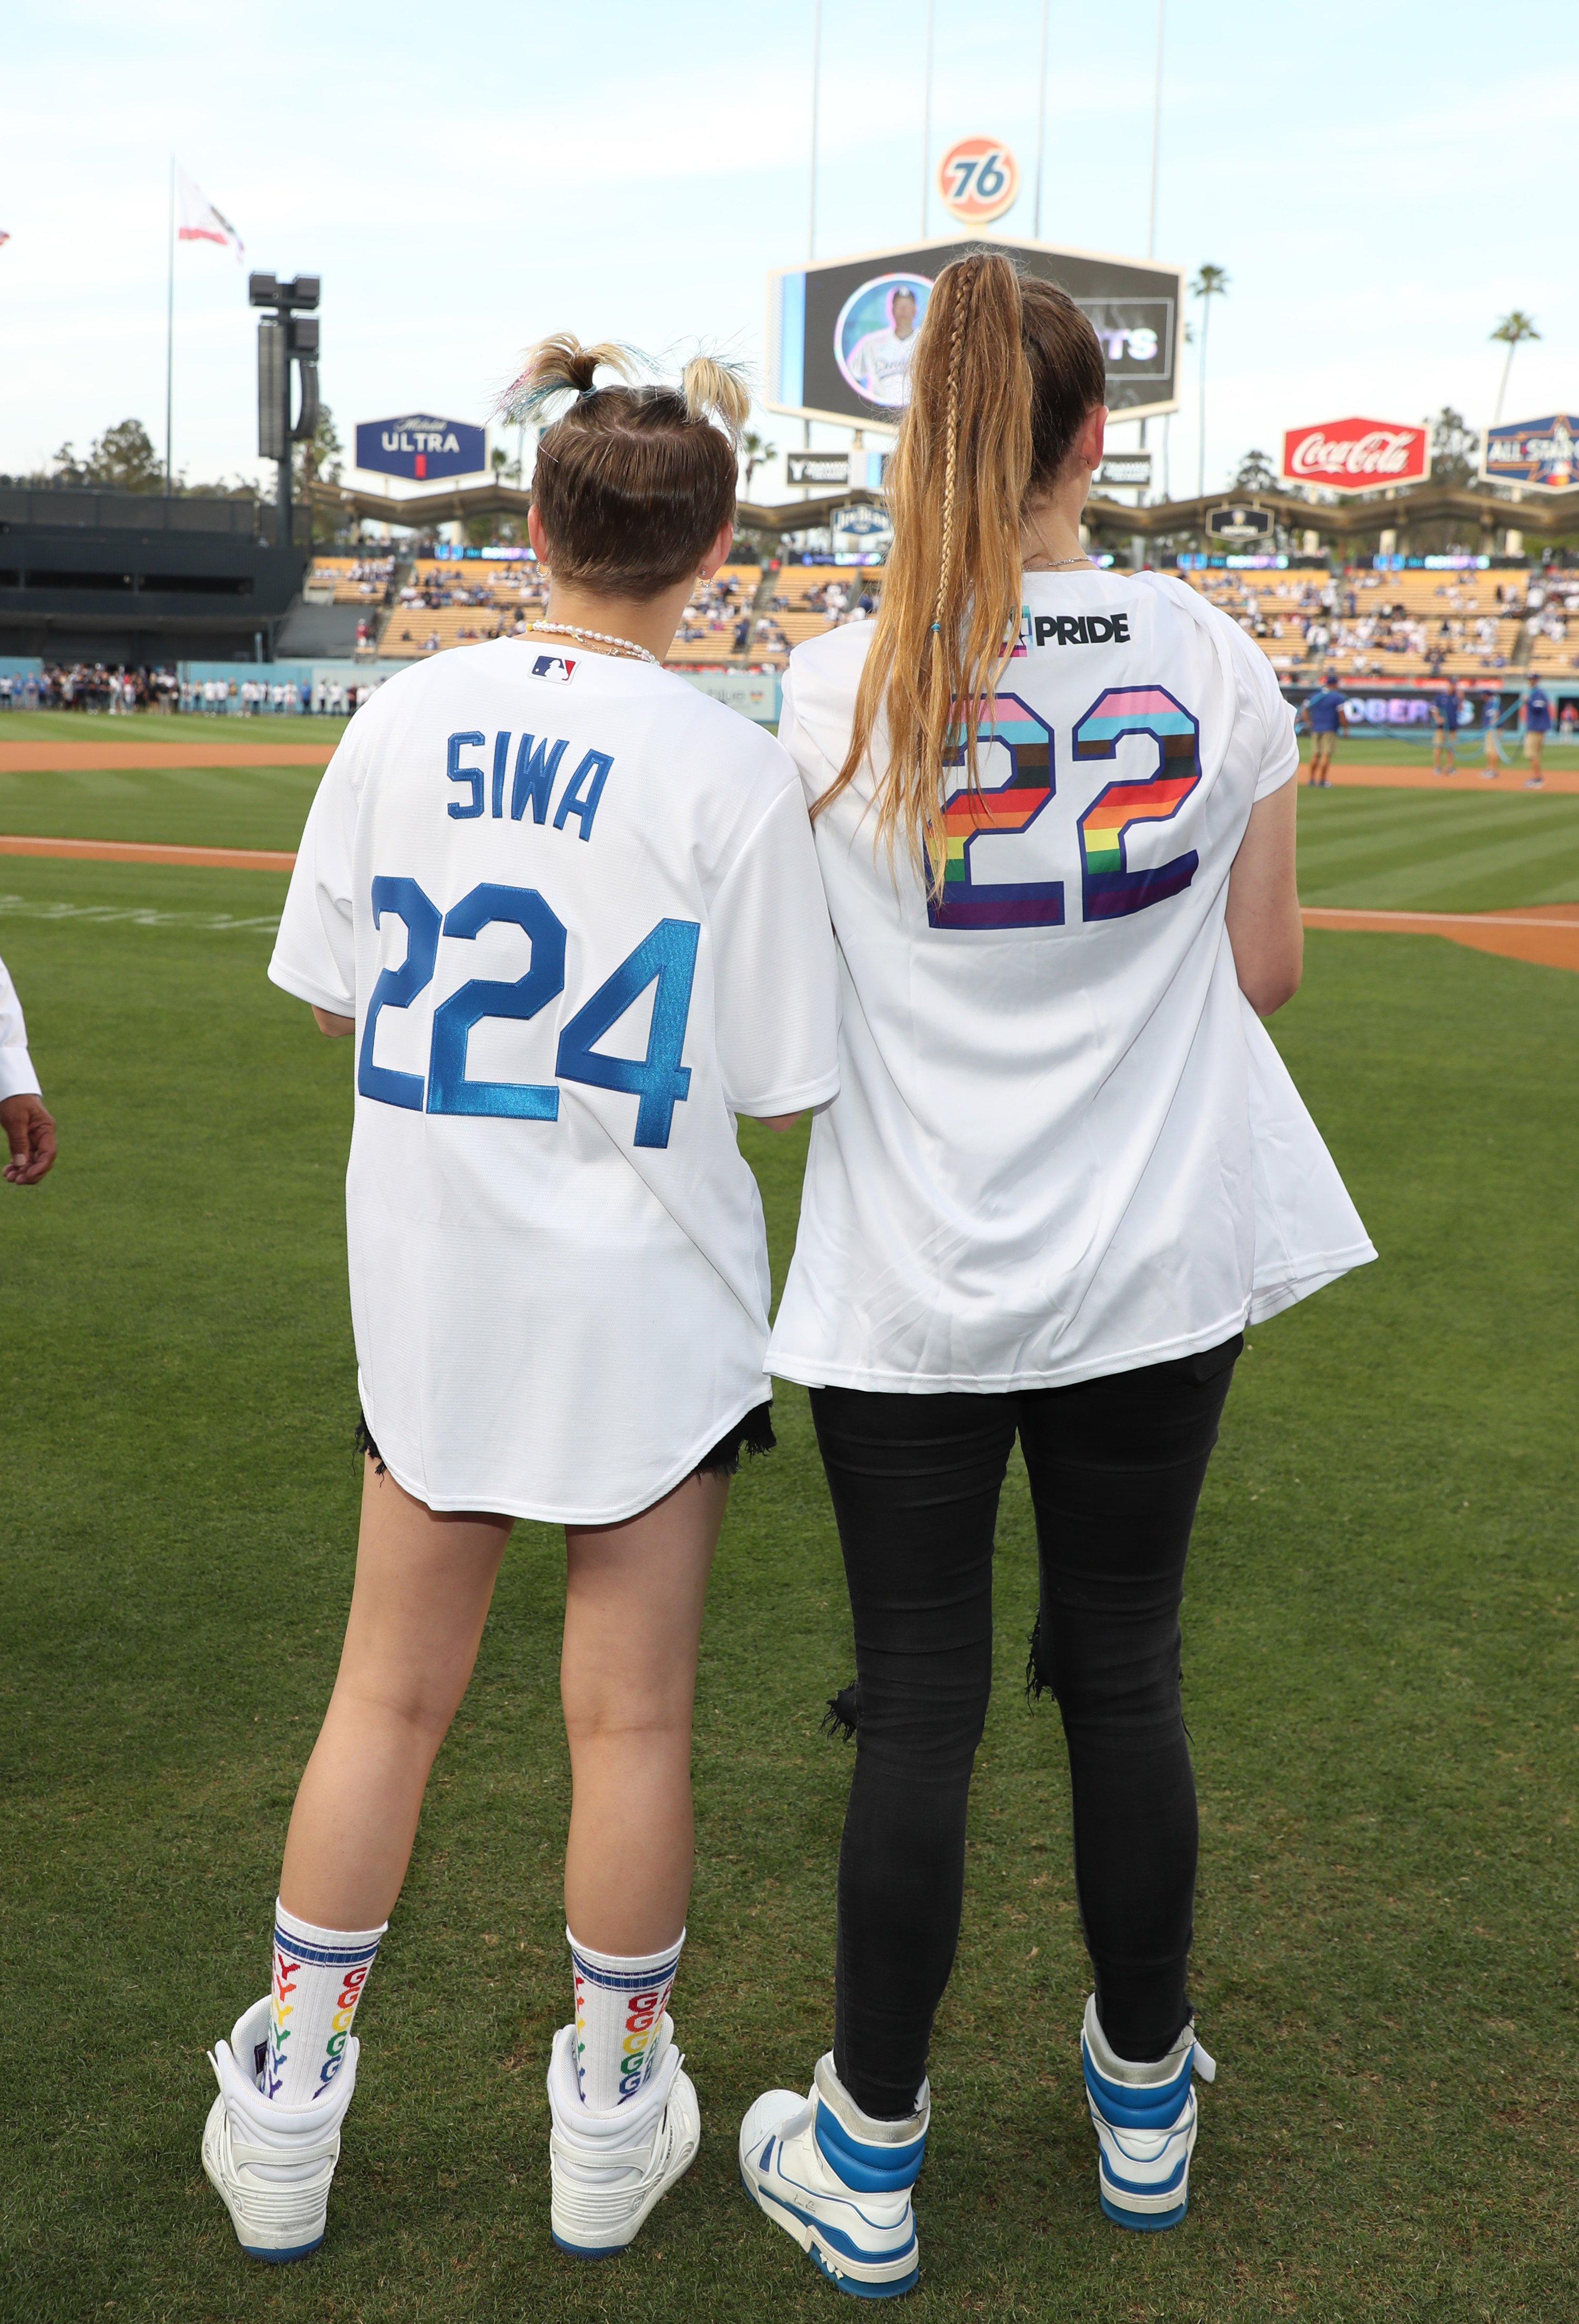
[{"x": 169, "y": 327}]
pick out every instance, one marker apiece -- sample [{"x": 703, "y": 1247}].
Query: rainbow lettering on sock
[
  {"x": 1006, "y": 810},
  {"x": 352, "y": 1963},
  {"x": 1111, "y": 889},
  {"x": 645, "y": 2006}
]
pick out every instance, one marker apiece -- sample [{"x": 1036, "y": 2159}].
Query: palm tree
[
  {"x": 1210, "y": 283},
  {"x": 1510, "y": 330},
  {"x": 756, "y": 450}
]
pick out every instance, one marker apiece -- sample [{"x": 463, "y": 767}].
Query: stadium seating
[
  {"x": 355, "y": 580},
  {"x": 410, "y": 631},
  {"x": 1405, "y": 612}
]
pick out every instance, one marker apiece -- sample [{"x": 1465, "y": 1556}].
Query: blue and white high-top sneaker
[
  {"x": 839, "y": 2181},
  {"x": 1145, "y": 2120}
]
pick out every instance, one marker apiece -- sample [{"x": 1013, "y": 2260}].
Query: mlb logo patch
[{"x": 560, "y": 667}]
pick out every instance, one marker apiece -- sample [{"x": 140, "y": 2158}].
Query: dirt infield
[
  {"x": 1545, "y": 932},
  {"x": 1469, "y": 778},
  {"x": 137, "y": 850},
  {"x": 113, "y": 756}
]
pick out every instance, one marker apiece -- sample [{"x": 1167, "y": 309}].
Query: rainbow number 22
[
  {"x": 1004, "y": 811},
  {"x": 1111, "y": 889}
]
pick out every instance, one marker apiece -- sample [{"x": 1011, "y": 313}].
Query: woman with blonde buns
[{"x": 569, "y": 910}]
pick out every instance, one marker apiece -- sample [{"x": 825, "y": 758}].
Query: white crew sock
[
  {"x": 620, "y": 2001},
  {"x": 318, "y": 1974}
]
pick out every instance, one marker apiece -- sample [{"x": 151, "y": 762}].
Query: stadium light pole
[
  {"x": 815, "y": 87},
  {"x": 1156, "y": 132},
  {"x": 1042, "y": 118},
  {"x": 811, "y": 208},
  {"x": 926, "y": 125},
  {"x": 1141, "y": 495}
]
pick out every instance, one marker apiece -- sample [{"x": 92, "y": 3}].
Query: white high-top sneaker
[
  {"x": 608, "y": 2170},
  {"x": 271, "y": 2165},
  {"x": 839, "y": 2181},
  {"x": 1145, "y": 2118}
]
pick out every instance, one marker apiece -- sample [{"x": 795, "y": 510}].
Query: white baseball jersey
[
  {"x": 881, "y": 363},
  {"x": 573, "y": 908},
  {"x": 1063, "y": 1144},
  {"x": 17, "y": 1077}
]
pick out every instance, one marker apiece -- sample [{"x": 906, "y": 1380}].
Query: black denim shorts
[{"x": 754, "y": 1433}]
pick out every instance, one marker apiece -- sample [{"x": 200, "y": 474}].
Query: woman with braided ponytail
[
  {"x": 571, "y": 910},
  {"x": 1055, "y": 815}
]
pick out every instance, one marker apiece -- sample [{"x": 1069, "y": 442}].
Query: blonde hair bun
[
  {"x": 561, "y": 365},
  {"x": 717, "y": 390}
]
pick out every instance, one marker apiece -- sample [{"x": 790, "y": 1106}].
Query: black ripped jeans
[{"x": 1116, "y": 1467}]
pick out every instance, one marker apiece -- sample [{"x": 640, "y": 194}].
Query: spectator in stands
[{"x": 1534, "y": 721}]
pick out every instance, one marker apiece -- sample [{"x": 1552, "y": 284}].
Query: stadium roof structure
[{"x": 1551, "y": 515}]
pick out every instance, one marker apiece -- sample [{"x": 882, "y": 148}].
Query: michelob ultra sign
[
  {"x": 420, "y": 446},
  {"x": 1542, "y": 454}
]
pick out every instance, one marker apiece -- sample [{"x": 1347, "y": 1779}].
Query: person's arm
[
  {"x": 332, "y": 1028},
  {"x": 28, "y": 1126},
  {"x": 1264, "y": 925}
]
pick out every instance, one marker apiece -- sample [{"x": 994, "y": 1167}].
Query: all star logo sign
[{"x": 560, "y": 667}]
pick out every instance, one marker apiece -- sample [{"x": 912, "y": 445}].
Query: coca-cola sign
[{"x": 1356, "y": 456}]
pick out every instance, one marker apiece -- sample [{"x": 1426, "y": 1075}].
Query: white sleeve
[
  {"x": 1262, "y": 700},
  {"x": 810, "y": 762},
  {"x": 315, "y": 952},
  {"x": 17, "y": 1077},
  {"x": 775, "y": 973}
]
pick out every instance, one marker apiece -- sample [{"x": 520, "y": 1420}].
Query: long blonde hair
[{"x": 1005, "y": 371}]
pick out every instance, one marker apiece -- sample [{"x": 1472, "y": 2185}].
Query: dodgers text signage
[
  {"x": 842, "y": 331},
  {"x": 420, "y": 446}
]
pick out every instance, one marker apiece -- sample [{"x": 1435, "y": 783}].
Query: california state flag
[{"x": 201, "y": 222}]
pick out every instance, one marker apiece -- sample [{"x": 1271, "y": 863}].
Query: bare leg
[
  {"x": 627, "y": 1678},
  {"x": 423, "y": 1583}
]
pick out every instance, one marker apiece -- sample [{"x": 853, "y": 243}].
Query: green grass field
[{"x": 1380, "y": 1667}]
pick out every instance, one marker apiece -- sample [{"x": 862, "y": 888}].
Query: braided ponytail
[{"x": 1004, "y": 371}]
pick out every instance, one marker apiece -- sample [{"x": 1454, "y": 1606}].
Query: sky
[{"x": 1379, "y": 182}]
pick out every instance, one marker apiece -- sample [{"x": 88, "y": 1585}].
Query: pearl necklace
[{"x": 625, "y": 646}]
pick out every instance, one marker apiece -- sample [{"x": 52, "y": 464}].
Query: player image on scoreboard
[{"x": 875, "y": 337}]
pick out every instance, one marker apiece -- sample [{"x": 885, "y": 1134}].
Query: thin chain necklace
[
  {"x": 625, "y": 646},
  {"x": 1052, "y": 563}
]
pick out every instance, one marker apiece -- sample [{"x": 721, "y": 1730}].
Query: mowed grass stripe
[
  {"x": 192, "y": 806},
  {"x": 1425, "y": 852}
]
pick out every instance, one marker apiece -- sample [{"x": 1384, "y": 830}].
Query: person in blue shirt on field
[
  {"x": 1534, "y": 721},
  {"x": 1444, "y": 731},
  {"x": 1324, "y": 715}
]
